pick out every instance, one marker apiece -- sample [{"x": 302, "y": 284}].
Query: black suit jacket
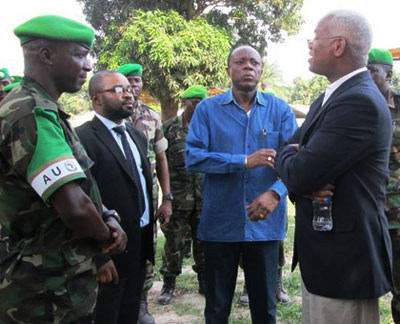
[
  {"x": 118, "y": 190},
  {"x": 346, "y": 142}
]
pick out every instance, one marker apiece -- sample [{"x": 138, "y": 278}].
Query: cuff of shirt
[
  {"x": 279, "y": 188},
  {"x": 238, "y": 162}
]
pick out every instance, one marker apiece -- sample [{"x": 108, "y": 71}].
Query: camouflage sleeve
[
  {"x": 160, "y": 142},
  {"x": 53, "y": 163},
  {"x": 18, "y": 141}
]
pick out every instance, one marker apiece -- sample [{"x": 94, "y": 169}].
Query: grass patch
[{"x": 186, "y": 300}]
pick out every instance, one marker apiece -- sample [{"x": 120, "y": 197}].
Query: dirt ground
[{"x": 187, "y": 307}]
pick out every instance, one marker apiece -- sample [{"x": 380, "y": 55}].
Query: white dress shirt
[
  {"x": 145, "y": 219},
  {"x": 332, "y": 87}
]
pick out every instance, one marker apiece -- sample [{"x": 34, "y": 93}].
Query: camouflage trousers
[
  {"x": 180, "y": 224},
  {"x": 31, "y": 294},
  {"x": 395, "y": 237}
]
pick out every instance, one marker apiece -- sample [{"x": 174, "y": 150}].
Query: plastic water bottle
[{"x": 322, "y": 215}]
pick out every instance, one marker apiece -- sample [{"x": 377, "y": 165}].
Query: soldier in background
[
  {"x": 148, "y": 121},
  {"x": 186, "y": 187},
  {"x": 50, "y": 229},
  {"x": 5, "y": 80},
  {"x": 380, "y": 65}
]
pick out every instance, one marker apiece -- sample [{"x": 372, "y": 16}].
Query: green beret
[
  {"x": 380, "y": 56},
  {"x": 195, "y": 91},
  {"x": 130, "y": 69},
  {"x": 4, "y": 74},
  {"x": 16, "y": 78},
  {"x": 56, "y": 28},
  {"x": 11, "y": 86}
]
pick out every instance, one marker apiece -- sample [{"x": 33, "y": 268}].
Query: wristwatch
[
  {"x": 112, "y": 213},
  {"x": 168, "y": 196}
]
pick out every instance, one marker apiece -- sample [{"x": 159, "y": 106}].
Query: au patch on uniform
[{"x": 55, "y": 174}]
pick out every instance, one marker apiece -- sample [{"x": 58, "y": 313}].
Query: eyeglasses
[
  {"x": 119, "y": 89},
  {"x": 309, "y": 41}
]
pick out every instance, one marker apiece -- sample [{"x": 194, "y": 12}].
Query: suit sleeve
[{"x": 346, "y": 136}]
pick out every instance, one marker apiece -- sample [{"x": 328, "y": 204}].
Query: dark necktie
[{"x": 132, "y": 166}]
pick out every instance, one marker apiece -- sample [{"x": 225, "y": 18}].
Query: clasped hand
[
  {"x": 263, "y": 157},
  {"x": 262, "y": 207},
  {"x": 322, "y": 194},
  {"x": 118, "y": 238}
]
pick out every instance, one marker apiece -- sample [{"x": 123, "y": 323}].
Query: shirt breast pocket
[
  {"x": 176, "y": 154},
  {"x": 268, "y": 140}
]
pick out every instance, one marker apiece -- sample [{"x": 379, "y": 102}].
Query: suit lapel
[
  {"x": 108, "y": 140},
  {"x": 311, "y": 117}
]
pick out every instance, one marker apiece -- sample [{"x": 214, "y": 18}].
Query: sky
[{"x": 291, "y": 56}]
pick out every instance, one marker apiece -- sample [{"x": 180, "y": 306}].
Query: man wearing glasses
[
  {"x": 345, "y": 142},
  {"x": 122, "y": 171}
]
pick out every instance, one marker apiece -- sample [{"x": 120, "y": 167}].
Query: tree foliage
[
  {"x": 306, "y": 91},
  {"x": 174, "y": 53},
  {"x": 76, "y": 103},
  {"x": 249, "y": 21},
  {"x": 396, "y": 80}
]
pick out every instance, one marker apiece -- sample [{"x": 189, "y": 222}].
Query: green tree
[
  {"x": 304, "y": 92},
  {"x": 249, "y": 21},
  {"x": 396, "y": 80},
  {"x": 76, "y": 103},
  {"x": 272, "y": 77},
  {"x": 175, "y": 53},
  {"x": 271, "y": 73}
]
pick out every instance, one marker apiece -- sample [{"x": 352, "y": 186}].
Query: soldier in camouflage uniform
[
  {"x": 49, "y": 228},
  {"x": 186, "y": 188},
  {"x": 380, "y": 65},
  {"x": 5, "y": 80},
  {"x": 147, "y": 120}
]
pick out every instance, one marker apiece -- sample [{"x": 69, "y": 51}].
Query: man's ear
[
  {"x": 46, "y": 55},
  {"x": 339, "y": 46},
  {"x": 96, "y": 99}
]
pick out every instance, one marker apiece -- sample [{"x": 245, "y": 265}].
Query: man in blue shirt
[{"x": 232, "y": 139}]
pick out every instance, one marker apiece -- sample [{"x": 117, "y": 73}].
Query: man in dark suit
[
  {"x": 342, "y": 151},
  {"x": 122, "y": 171}
]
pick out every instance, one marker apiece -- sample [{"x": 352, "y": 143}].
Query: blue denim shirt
[{"x": 221, "y": 134}]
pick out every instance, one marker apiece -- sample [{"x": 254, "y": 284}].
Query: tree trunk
[
  {"x": 189, "y": 9},
  {"x": 169, "y": 108}
]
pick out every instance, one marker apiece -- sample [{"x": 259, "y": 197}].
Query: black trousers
[
  {"x": 119, "y": 303},
  {"x": 260, "y": 262}
]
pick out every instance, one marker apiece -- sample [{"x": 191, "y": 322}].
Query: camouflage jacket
[
  {"x": 185, "y": 186},
  {"x": 392, "y": 206},
  {"x": 149, "y": 122},
  {"x": 36, "y": 248}
]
